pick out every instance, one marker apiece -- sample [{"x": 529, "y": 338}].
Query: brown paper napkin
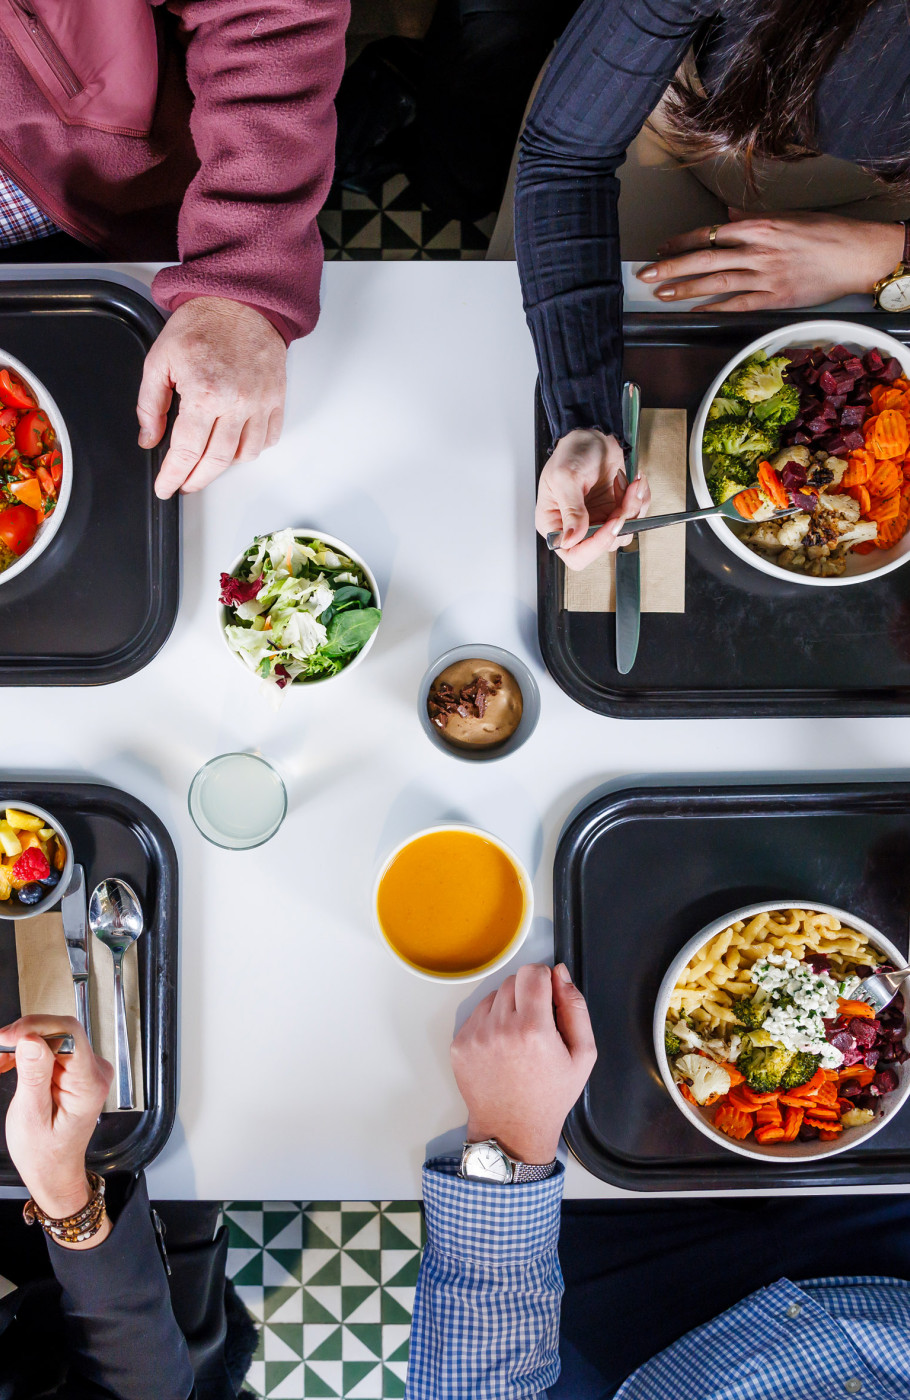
[
  {"x": 662, "y": 459},
  {"x": 46, "y": 988}
]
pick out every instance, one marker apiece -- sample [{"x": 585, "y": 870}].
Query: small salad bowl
[
  {"x": 701, "y": 1119},
  {"x": 307, "y": 534},
  {"x": 12, "y": 908},
  {"x": 48, "y": 528},
  {"x": 860, "y": 567}
]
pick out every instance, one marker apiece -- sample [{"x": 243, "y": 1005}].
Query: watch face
[
  {"x": 484, "y": 1161},
  {"x": 895, "y": 296}
]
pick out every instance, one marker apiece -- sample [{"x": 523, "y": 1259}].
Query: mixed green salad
[
  {"x": 744, "y": 422},
  {"x": 300, "y": 611}
]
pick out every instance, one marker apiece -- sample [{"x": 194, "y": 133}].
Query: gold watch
[{"x": 892, "y": 293}]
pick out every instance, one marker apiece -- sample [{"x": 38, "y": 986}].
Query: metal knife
[
  {"x": 628, "y": 559},
  {"x": 75, "y": 929}
]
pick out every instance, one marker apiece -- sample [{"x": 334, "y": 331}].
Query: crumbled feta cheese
[{"x": 801, "y": 1001}]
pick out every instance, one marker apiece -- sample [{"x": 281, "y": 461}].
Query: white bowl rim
[
  {"x": 309, "y": 533},
  {"x": 59, "y": 890},
  {"x": 527, "y": 684},
  {"x": 776, "y": 1152},
  {"x": 524, "y": 877},
  {"x": 837, "y": 332},
  {"x": 48, "y": 528}
]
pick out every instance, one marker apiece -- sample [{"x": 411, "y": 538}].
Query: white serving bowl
[
  {"x": 860, "y": 567},
  {"x": 48, "y": 528},
  {"x": 306, "y": 533},
  {"x": 510, "y": 949},
  {"x": 12, "y": 909},
  {"x": 700, "y": 1118}
]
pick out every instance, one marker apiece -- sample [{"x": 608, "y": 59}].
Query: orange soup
[{"x": 451, "y": 902}]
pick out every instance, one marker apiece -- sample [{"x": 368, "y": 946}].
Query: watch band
[
  {"x": 905, "y": 256},
  {"x": 529, "y": 1171}
]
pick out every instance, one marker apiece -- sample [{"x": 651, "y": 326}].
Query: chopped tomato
[
  {"x": 13, "y": 392},
  {"x": 8, "y": 419},
  {"x": 22, "y": 469},
  {"x": 47, "y": 482},
  {"x": 18, "y": 525},
  {"x": 29, "y": 493},
  {"x": 53, "y": 461},
  {"x": 32, "y": 432}
]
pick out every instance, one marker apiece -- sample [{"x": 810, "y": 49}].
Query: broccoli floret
[
  {"x": 739, "y": 438},
  {"x": 756, "y": 379},
  {"x": 672, "y": 1042},
  {"x": 800, "y": 1069},
  {"x": 779, "y": 409},
  {"x": 749, "y": 1012},
  {"x": 727, "y": 408},
  {"x": 763, "y": 1065},
  {"x": 727, "y": 475}
]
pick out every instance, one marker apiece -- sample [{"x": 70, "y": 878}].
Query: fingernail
[
  {"x": 31, "y": 1050},
  {"x": 615, "y": 527},
  {"x": 562, "y": 972},
  {"x": 648, "y": 274},
  {"x": 666, "y": 293},
  {"x": 640, "y": 490},
  {"x": 145, "y": 438},
  {"x": 622, "y": 479}
]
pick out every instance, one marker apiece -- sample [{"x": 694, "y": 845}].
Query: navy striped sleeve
[{"x": 608, "y": 73}]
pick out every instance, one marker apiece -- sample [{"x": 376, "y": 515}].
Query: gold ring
[{"x": 712, "y": 235}]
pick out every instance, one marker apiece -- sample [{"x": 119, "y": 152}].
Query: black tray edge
[
  {"x": 738, "y": 1174},
  {"x": 146, "y": 321},
  {"x": 155, "y": 1126}
]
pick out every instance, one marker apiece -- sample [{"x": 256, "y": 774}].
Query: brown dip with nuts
[{"x": 475, "y": 703}]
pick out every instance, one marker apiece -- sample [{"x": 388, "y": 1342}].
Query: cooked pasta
[{"x": 719, "y": 973}]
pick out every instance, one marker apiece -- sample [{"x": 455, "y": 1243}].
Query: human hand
[
  {"x": 584, "y": 484},
  {"x": 522, "y": 1059},
  {"x": 228, "y": 364},
  {"x": 53, "y": 1112},
  {"x": 776, "y": 260}
]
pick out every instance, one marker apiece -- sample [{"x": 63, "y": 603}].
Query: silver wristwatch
[{"x": 487, "y": 1161}]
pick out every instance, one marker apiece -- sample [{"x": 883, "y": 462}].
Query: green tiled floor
[{"x": 331, "y": 1286}]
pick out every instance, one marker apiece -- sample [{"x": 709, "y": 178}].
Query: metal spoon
[
  {"x": 66, "y": 1047},
  {"x": 115, "y": 918},
  {"x": 656, "y": 522},
  {"x": 881, "y": 988}
]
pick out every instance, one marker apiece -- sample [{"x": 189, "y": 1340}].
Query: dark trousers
[
  {"x": 623, "y": 1261},
  {"x": 57, "y": 247}
]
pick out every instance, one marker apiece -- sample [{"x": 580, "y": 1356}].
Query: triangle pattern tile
[
  {"x": 276, "y": 1373},
  {"x": 329, "y": 1372},
  {"x": 249, "y": 1222},
  {"x": 369, "y": 1310},
  {"x": 283, "y": 1304},
  {"x": 362, "y": 1379},
  {"x": 283, "y": 1229}
]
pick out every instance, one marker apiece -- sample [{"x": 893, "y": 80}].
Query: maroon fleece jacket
[{"x": 198, "y": 129}]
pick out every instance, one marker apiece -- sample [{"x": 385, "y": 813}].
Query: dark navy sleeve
[
  {"x": 608, "y": 73},
  {"x": 123, "y": 1339}
]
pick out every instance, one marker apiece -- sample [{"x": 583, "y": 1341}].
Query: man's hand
[
  {"x": 522, "y": 1059},
  {"x": 584, "y": 484},
  {"x": 228, "y": 364},
  {"x": 53, "y": 1112},
  {"x": 776, "y": 260}
]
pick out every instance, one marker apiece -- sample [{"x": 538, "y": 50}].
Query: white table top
[{"x": 409, "y": 434}]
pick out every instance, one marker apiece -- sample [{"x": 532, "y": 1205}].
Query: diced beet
[
  {"x": 849, "y": 1089},
  {"x": 853, "y": 415},
  {"x": 895, "y": 1032},
  {"x": 843, "y": 383},
  {"x": 839, "y": 353},
  {"x": 828, "y": 366},
  {"x": 870, "y": 1058},
  {"x": 837, "y": 401},
  {"x": 794, "y": 474},
  {"x": 891, "y": 371},
  {"x": 838, "y": 443},
  {"x": 864, "y": 1031},
  {"x": 852, "y": 440},
  {"x": 817, "y": 961},
  {"x": 807, "y": 1133},
  {"x": 829, "y": 412},
  {"x": 842, "y": 1040},
  {"x": 886, "y": 1081},
  {"x": 854, "y": 365},
  {"x": 852, "y": 1056},
  {"x": 861, "y": 395},
  {"x": 888, "y": 1050},
  {"x": 811, "y": 376},
  {"x": 902, "y": 1055},
  {"x": 817, "y": 426},
  {"x": 799, "y": 355},
  {"x": 801, "y": 439},
  {"x": 827, "y": 382},
  {"x": 873, "y": 362},
  {"x": 804, "y": 500}
]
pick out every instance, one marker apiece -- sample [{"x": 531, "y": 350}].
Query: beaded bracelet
[{"x": 74, "y": 1228}]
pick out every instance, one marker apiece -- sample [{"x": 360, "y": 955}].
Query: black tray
[
  {"x": 114, "y": 834},
  {"x": 637, "y": 874},
  {"x": 747, "y": 644},
  {"x": 101, "y": 600}
]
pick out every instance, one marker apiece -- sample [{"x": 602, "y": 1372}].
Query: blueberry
[
  {"x": 50, "y": 880},
  {"x": 31, "y": 893}
]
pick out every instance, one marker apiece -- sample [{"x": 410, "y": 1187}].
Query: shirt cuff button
[
  {"x": 794, "y": 1310},
  {"x": 853, "y": 1385}
]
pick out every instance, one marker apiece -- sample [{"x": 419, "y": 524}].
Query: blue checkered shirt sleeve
[
  {"x": 486, "y": 1315},
  {"x": 21, "y": 221}
]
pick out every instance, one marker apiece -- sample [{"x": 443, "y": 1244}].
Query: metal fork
[{"x": 881, "y": 988}]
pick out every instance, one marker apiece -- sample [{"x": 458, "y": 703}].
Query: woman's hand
[
  {"x": 776, "y": 260},
  {"x": 522, "y": 1059},
  {"x": 584, "y": 484},
  {"x": 53, "y": 1112},
  {"x": 227, "y": 363}
]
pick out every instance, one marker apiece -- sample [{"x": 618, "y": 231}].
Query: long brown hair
[{"x": 777, "y": 54}]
